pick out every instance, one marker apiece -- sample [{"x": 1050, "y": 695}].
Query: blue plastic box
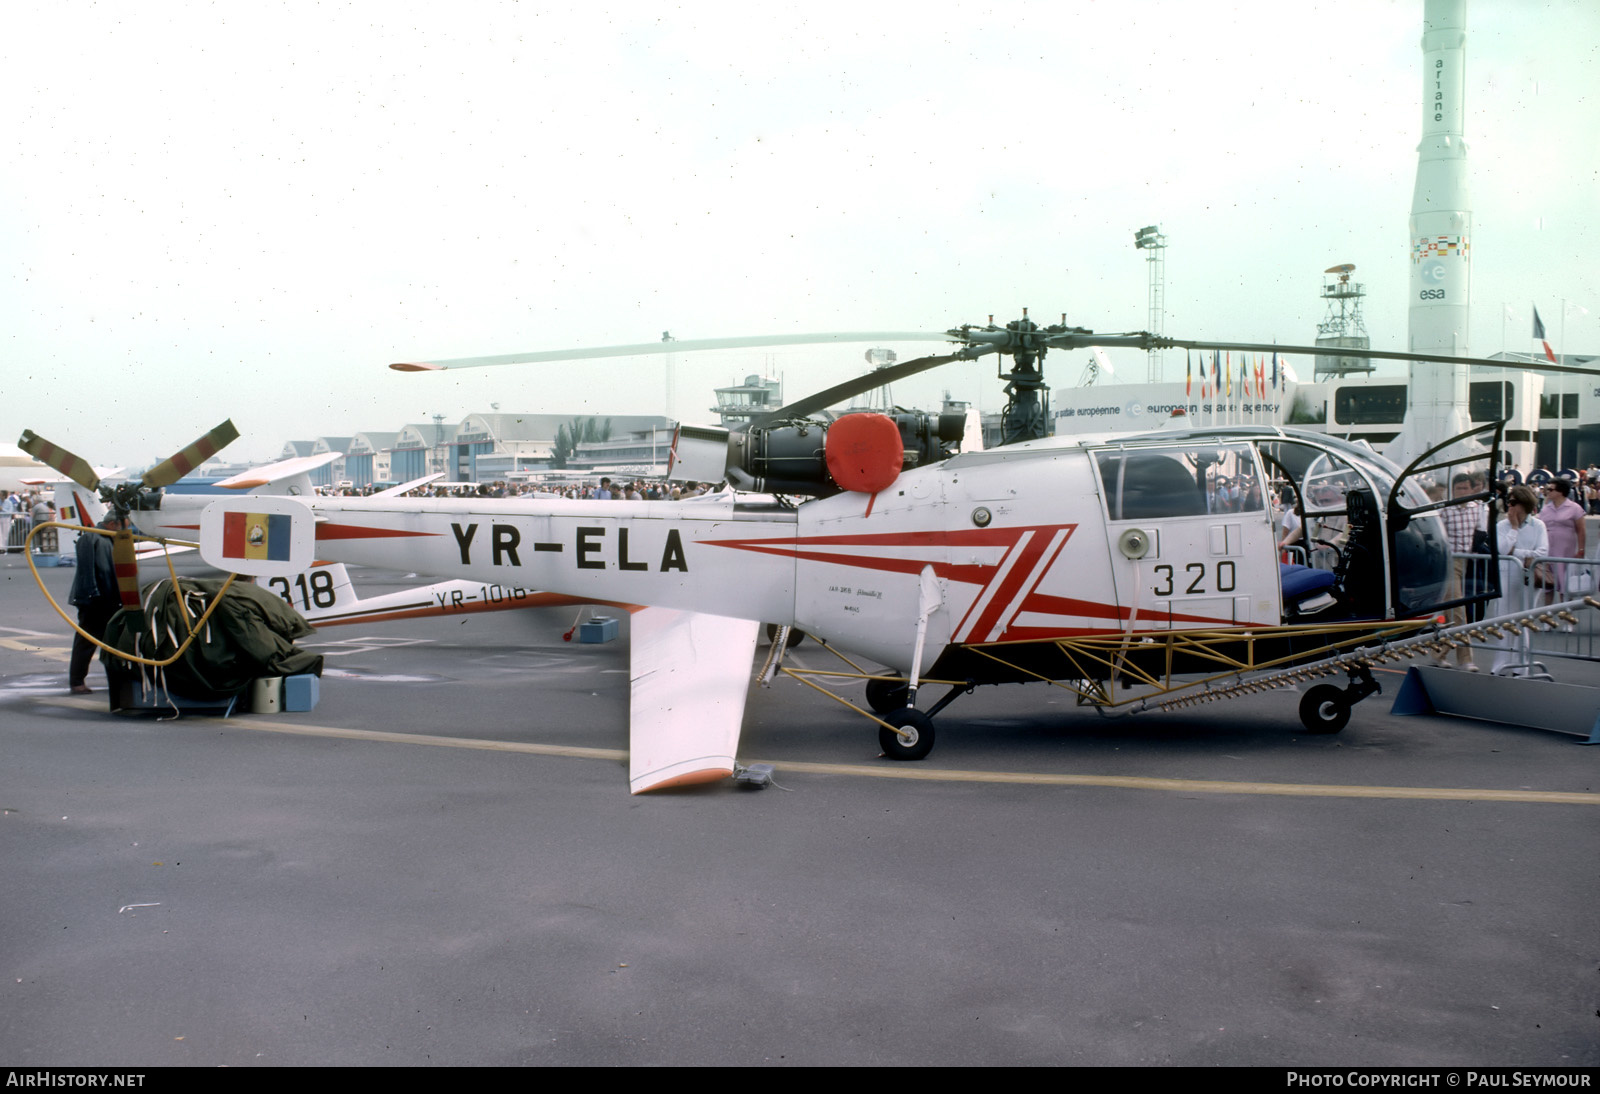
[
  {"x": 300, "y": 693},
  {"x": 601, "y": 628}
]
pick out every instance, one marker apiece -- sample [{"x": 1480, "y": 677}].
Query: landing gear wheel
[
  {"x": 796, "y": 635},
  {"x": 884, "y": 696},
  {"x": 918, "y": 739},
  {"x": 1324, "y": 709}
]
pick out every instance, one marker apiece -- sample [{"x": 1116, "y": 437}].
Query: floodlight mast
[{"x": 1150, "y": 240}]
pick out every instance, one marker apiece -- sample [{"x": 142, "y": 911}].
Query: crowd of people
[
  {"x": 603, "y": 490},
  {"x": 1583, "y": 488},
  {"x": 19, "y": 513}
]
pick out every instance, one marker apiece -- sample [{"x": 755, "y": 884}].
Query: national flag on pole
[
  {"x": 1538, "y": 333},
  {"x": 1227, "y": 373},
  {"x": 1274, "y": 372},
  {"x": 1188, "y": 375}
]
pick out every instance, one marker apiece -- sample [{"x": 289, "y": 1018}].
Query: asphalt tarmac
[{"x": 441, "y": 864}]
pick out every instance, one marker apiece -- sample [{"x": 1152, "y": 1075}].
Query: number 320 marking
[{"x": 1195, "y": 573}]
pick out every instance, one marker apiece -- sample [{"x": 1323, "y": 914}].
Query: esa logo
[{"x": 1433, "y": 273}]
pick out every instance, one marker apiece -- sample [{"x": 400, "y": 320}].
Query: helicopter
[{"x": 1136, "y": 571}]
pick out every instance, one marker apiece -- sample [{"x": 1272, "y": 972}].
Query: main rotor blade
[
  {"x": 1373, "y": 354},
  {"x": 978, "y": 341},
  {"x": 1145, "y": 341},
  {"x": 690, "y": 346},
  {"x": 175, "y": 467},
  {"x": 838, "y": 393},
  {"x": 73, "y": 467}
]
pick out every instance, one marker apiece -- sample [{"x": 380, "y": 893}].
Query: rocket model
[{"x": 1441, "y": 239}]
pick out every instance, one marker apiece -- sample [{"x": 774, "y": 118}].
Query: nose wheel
[
  {"x": 914, "y": 739},
  {"x": 912, "y": 736},
  {"x": 1326, "y": 709},
  {"x": 1323, "y": 709}
]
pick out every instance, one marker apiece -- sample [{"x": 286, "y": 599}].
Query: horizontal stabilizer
[
  {"x": 691, "y": 673},
  {"x": 406, "y": 487},
  {"x": 274, "y": 478},
  {"x": 326, "y": 597}
]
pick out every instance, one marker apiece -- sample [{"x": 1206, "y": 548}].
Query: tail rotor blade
[
  {"x": 125, "y": 560},
  {"x": 73, "y": 467},
  {"x": 176, "y": 467}
]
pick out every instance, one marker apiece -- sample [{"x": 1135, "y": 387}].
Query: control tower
[
  {"x": 738, "y": 403},
  {"x": 1342, "y": 326}
]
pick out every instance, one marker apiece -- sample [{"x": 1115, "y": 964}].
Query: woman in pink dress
[{"x": 1563, "y": 523}]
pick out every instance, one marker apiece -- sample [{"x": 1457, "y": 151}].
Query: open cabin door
[
  {"x": 1192, "y": 545},
  {"x": 1462, "y": 472}
]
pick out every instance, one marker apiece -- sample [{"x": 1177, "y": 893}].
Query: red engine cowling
[{"x": 864, "y": 452}]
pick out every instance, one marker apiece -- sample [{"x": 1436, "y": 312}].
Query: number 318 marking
[
  {"x": 320, "y": 593},
  {"x": 1195, "y": 573}
]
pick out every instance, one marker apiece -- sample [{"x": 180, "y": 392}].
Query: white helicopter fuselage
[{"x": 1020, "y": 544}]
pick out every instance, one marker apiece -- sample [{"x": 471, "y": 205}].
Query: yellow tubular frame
[
  {"x": 1109, "y": 653},
  {"x": 193, "y": 625}
]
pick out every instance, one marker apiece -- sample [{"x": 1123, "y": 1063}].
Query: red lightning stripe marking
[
  {"x": 971, "y": 573},
  {"x": 1007, "y": 583},
  {"x": 1042, "y": 561},
  {"x": 356, "y": 531},
  {"x": 980, "y": 606}
]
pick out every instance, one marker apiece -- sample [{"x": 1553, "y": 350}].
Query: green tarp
[{"x": 251, "y": 634}]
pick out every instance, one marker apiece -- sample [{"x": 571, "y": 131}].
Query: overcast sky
[{"x": 248, "y": 210}]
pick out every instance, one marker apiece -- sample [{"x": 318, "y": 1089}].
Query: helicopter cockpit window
[
  {"x": 1327, "y": 481},
  {"x": 1233, "y": 484},
  {"x": 1148, "y": 484},
  {"x": 1327, "y": 488}
]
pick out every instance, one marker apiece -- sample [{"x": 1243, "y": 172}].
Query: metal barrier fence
[
  {"x": 14, "y": 530},
  {"x": 1524, "y": 588},
  {"x": 1550, "y": 581}
]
